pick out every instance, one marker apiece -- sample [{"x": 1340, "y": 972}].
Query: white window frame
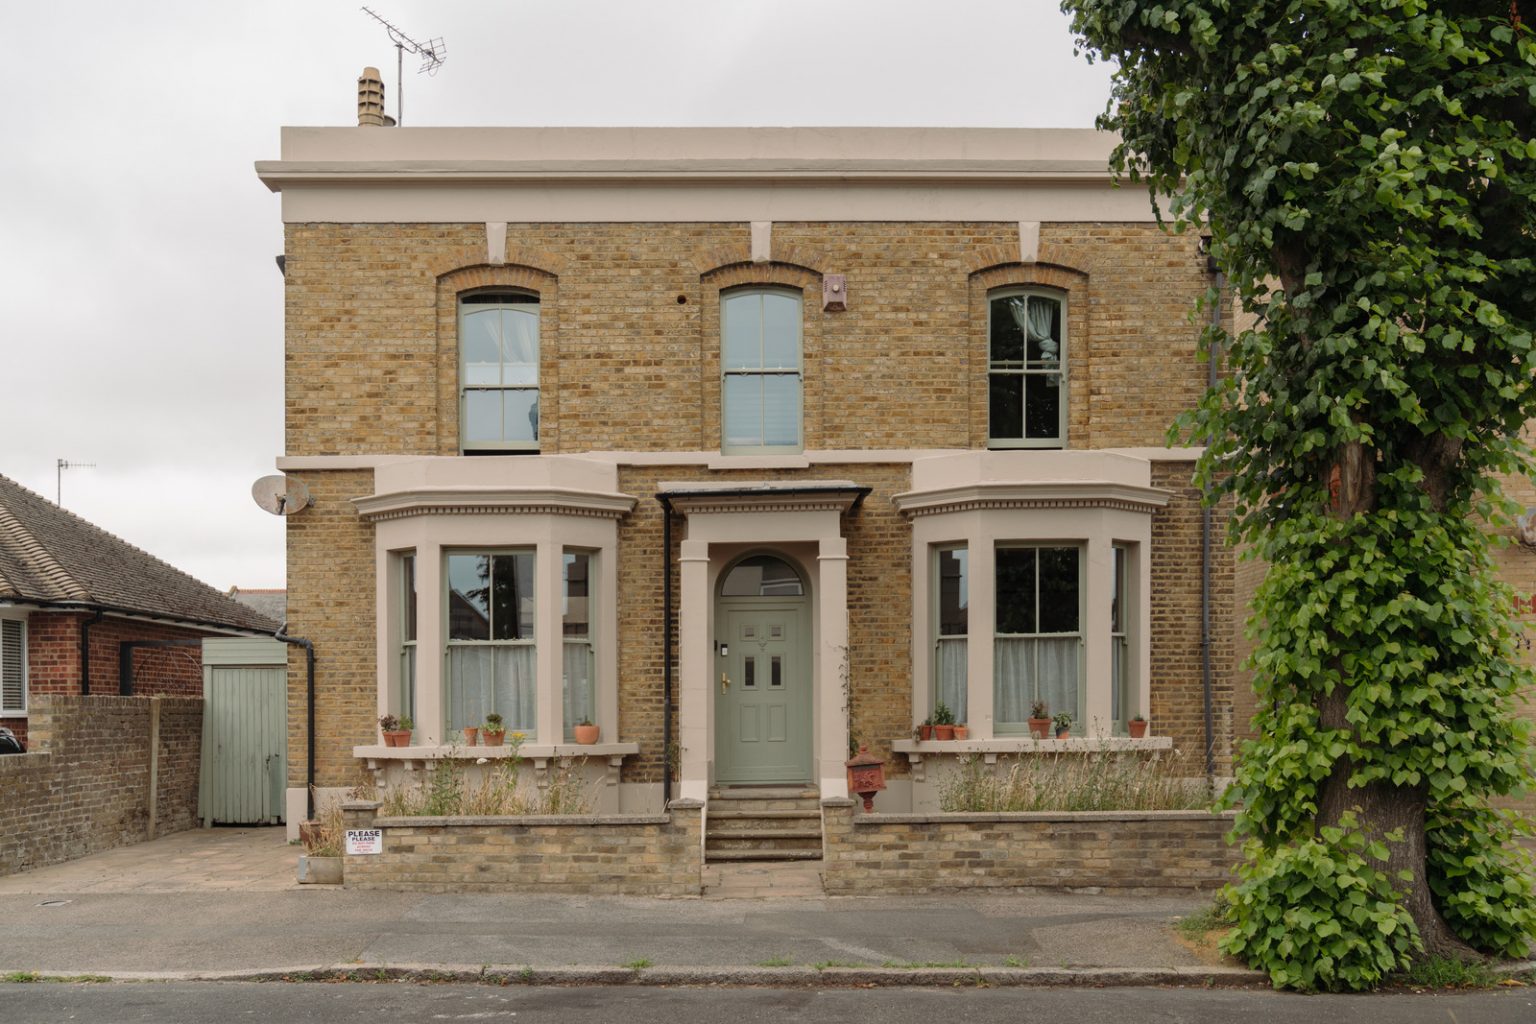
[
  {"x": 405, "y": 699},
  {"x": 1024, "y": 370},
  {"x": 763, "y": 371},
  {"x": 19, "y": 624},
  {"x": 477, "y": 301},
  {"x": 588, "y": 642}
]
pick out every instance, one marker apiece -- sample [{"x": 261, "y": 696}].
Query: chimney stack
[{"x": 370, "y": 100}]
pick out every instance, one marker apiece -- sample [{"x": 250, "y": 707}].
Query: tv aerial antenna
[
  {"x": 433, "y": 53},
  {"x": 58, "y": 483}
]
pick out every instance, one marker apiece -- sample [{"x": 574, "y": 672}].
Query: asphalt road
[{"x": 361, "y": 1003}]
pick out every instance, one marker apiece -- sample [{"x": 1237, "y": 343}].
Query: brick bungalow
[{"x": 78, "y": 606}]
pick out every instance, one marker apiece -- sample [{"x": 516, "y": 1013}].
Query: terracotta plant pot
[
  {"x": 1137, "y": 729},
  {"x": 962, "y": 732},
  {"x": 1039, "y": 728},
  {"x": 1063, "y": 734},
  {"x": 925, "y": 732},
  {"x": 586, "y": 734},
  {"x": 470, "y": 734},
  {"x": 397, "y": 738},
  {"x": 943, "y": 732},
  {"x": 495, "y": 739}
]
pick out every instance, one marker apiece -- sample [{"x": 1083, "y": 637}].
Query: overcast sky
[{"x": 141, "y": 310}]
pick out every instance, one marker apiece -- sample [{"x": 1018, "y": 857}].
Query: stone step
[
  {"x": 760, "y": 835},
  {"x": 761, "y": 819},
  {"x": 752, "y": 804},
  {"x": 764, "y": 792},
  {"x": 775, "y": 854}
]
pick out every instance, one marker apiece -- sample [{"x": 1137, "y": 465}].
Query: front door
[{"x": 763, "y": 694}]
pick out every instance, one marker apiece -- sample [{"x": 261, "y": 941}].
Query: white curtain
[
  {"x": 482, "y": 679},
  {"x": 1034, "y": 320},
  {"x": 1027, "y": 670},
  {"x": 579, "y": 696},
  {"x": 951, "y": 688}
]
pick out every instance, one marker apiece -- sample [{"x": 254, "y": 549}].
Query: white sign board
[{"x": 364, "y": 841}]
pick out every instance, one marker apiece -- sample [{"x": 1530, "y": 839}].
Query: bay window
[
  {"x": 950, "y": 644},
  {"x": 1039, "y": 634},
  {"x": 578, "y": 659},
  {"x": 492, "y": 662}
]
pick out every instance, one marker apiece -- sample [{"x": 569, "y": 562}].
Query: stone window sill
[
  {"x": 917, "y": 751},
  {"x": 528, "y": 751}
]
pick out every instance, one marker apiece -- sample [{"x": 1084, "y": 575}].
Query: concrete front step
[
  {"x": 764, "y": 792},
  {"x": 762, "y": 823},
  {"x": 761, "y": 835},
  {"x": 751, "y": 821}
]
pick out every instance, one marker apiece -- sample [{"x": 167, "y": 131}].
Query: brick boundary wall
[
  {"x": 622, "y": 854},
  {"x": 84, "y": 785},
  {"x": 870, "y": 854}
]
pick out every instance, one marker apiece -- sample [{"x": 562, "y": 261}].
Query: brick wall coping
[
  {"x": 1030, "y": 745},
  {"x": 502, "y": 821},
  {"x": 967, "y": 817}
]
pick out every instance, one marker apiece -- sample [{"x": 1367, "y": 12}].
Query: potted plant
[
  {"x": 1063, "y": 723},
  {"x": 925, "y": 730},
  {"x": 586, "y": 733},
  {"x": 962, "y": 731},
  {"x": 1039, "y": 720},
  {"x": 494, "y": 731},
  {"x": 1137, "y": 726},
  {"x": 471, "y": 733},
  {"x": 321, "y": 861},
  {"x": 407, "y": 725},
  {"x": 943, "y": 722},
  {"x": 394, "y": 735}
]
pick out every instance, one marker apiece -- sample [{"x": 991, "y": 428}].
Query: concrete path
[{"x": 225, "y": 901}]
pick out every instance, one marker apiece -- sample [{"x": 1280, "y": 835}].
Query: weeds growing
[
  {"x": 449, "y": 792},
  {"x": 1106, "y": 781}
]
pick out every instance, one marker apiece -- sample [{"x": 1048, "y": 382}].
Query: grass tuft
[{"x": 1101, "y": 781}]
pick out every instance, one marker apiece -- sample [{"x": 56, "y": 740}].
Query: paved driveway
[{"x": 200, "y": 860}]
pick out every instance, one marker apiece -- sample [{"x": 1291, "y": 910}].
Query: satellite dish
[
  {"x": 1525, "y": 527},
  {"x": 281, "y": 495}
]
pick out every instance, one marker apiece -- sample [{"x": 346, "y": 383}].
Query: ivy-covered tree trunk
[{"x": 1367, "y": 171}]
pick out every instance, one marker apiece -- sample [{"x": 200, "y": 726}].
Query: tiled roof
[{"x": 50, "y": 555}]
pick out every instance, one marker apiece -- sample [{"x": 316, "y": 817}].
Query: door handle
[{"x": 725, "y": 682}]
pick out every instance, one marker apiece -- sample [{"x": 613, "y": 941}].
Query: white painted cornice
[
  {"x": 494, "y": 501},
  {"x": 1032, "y": 495}
]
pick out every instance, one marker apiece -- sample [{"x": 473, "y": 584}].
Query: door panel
[{"x": 763, "y": 702}]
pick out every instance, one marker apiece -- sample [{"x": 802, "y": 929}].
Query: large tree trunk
[{"x": 1383, "y": 807}]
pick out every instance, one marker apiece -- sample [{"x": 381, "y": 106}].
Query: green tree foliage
[{"x": 1368, "y": 173}]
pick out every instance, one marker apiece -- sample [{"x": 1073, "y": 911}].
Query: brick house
[
  {"x": 84, "y": 612},
  {"x": 746, "y": 445}
]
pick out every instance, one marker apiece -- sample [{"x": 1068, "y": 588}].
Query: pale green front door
[{"x": 763, "y": 693}]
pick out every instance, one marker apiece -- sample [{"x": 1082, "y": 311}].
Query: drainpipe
[
  {"x": 1219, "y": 281},
  {"x": 85, "y": 651},
  {"x": 309, "y": 700},
  {"x": 666, "y": 650}
]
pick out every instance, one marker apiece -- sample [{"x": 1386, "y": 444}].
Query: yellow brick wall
[{"x": 371, "y": 323}]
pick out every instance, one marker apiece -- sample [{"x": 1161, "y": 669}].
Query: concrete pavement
[{"x": 224, "y": 903}]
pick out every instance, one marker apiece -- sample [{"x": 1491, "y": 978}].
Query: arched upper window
[
  {"x": 499, "y": 371},
  {"x": 760, "y": 386},
  {"x": 762, "y": 576},
  {"x": 1026, "y": 369}
]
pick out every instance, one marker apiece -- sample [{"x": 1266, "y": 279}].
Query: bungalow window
[
  {"x": 1026, "y": 370},
  {"x": 492, "y": 659},
  {"x": 1035, "y": 653},
  {"x": 13, "y": 666}
]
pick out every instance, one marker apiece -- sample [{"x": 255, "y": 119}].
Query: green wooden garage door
[{"x": 245, "y": 726}]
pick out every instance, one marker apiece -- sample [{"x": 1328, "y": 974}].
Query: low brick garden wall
[
  {"x": 868, "y": 854},
  {"x": 85, "y": 787},
  {"x": 624, "y": 854}
]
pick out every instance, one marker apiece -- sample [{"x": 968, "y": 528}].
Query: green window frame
[{"x": 498, "y": 372}]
